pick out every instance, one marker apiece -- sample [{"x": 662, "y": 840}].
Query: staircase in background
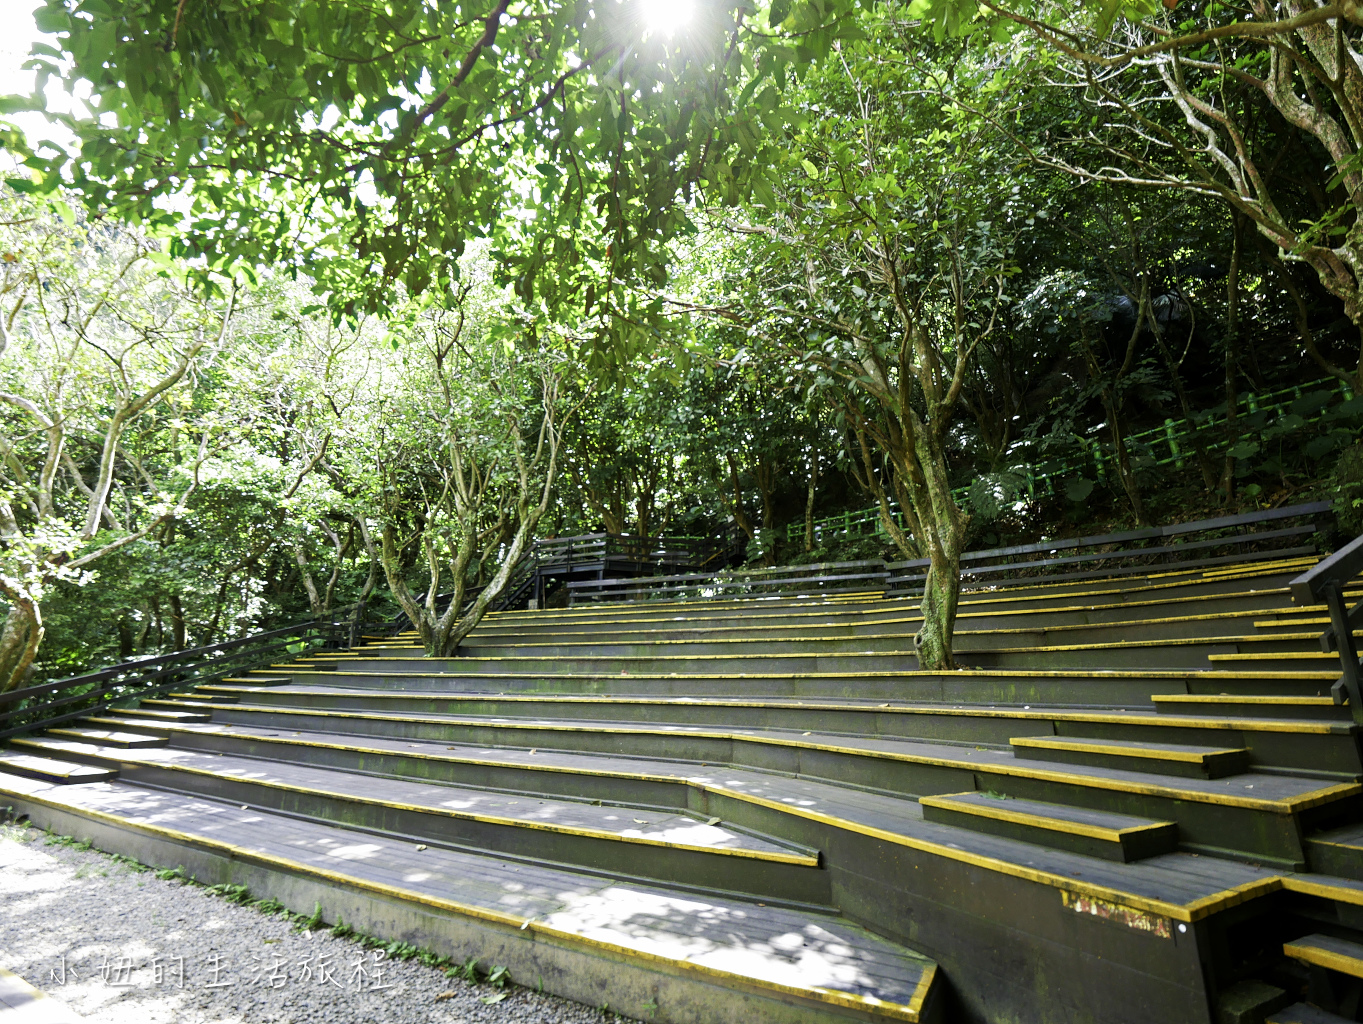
[{"x": 1138, "y": 801}]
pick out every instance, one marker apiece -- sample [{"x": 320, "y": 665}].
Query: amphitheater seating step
[
  {"x": 1249, "y": 705},
  {"x": 1161, "y": 758},
  {"x": 1305, "y": 1013},
  {"x": 1129, "y": 778},
  {"x": 1095, "y": 833},
  {"x": 132, "y": 714},
  {"x": 1338, "y": 851},
  {"x": 1326, "y": 951},
  {"x": 652, "y": 843},
  {"x": 546, "y": 920},
  {"x": 109, "y": 737},
  {"x": 47, "y": 769}
]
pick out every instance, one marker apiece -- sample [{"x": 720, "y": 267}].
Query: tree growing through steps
[
  {"x": 95, "y": 343},
  {"x": 459, "y": 459},
  {"x": 876, "y": 267}
]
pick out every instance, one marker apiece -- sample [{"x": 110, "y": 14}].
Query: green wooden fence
[{"x": 1173, "y": 437}]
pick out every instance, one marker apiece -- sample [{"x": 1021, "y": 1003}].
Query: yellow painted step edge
[
  {"x": 1305, "y": 726},
  {"x": 906, "y": 1012},
  {"x": 950, "y": 802},
  {"x": 908, "y": 673},
  {"x": 665, "y": 618},
  {"x": 1279, "y": 656},
  {"x": 1233, "y": 698},
  {"x": 802, "y": 860},
  {"x": 1179, "y": 912},
  {"x": 1327, "y": 958},
  {"x": 1293, "y": 805},
  {"x": 1059, "y": 743},
  {"x": 54, "y": 766}
]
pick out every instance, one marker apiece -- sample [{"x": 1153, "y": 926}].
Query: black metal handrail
[
  {"x": 64, "y": 700},
  {"x": 1326, "y": 582}
]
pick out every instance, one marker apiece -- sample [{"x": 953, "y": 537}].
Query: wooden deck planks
[
  {"x": 769, "y": 944},
  {"x": 1173, "y": 878},
  {"x": 662, "y": 826}
]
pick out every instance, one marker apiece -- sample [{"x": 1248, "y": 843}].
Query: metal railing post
[
  {"x": 1172, "y": 435},
  {"x": 1341, "y": 635}
]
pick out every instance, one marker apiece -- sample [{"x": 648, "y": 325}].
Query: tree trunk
[
  {"x": 1204, "y": 461},
  {"x": 1227, "y": 485},
  {"x": 871, "y": 483},
  {"x": 19, "y": 640},
  {"x": 177, "y": 622},
  {"x": 740, "y": 517},
  {"x": 309, "y": 584},
  {"x": 938, "y": 525},
  {"x": 1112, "y": 406},
  {"x": 809, "y": 501},
  {"x": 765, "y": 475},
  {"x": 125, "y": 639}
]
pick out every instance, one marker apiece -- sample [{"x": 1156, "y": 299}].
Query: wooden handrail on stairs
[{"x": 1325, "y": 582}]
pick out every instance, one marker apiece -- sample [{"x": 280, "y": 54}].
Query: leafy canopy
[{"x": 365, "y": 143}]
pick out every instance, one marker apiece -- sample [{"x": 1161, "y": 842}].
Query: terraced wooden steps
[
  {"x": 1161, "y": 758},
  {"x": 624, "y": 841},
  {"x": 109, "y": 737},
  {"x": 1093, "y": 798},
  {"x": 1329, "y": 952},
  {"x": 52, "y": 770},
  {"x": 1337, "y": 851},
  {"x": 832, "y": 816},
  {"x": 1254, "y": 816},
  {"x": 1118, "y": 837},
  {"x": 590, "y": 934},
  {"x": 1307, "y": 744},
  {"x": 1101, "y": 687}
]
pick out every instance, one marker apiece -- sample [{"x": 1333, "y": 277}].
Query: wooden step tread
[
  {"x": 1305, "y": 1013},
  {"x": 1276, "y": 655},
  {"x": 812, "y": 704},
  {"x": 169, "y": 716},
  {"x": 1176, "y": 885},
  {"x": 1056, "y": 817},
  {"x": 727, "y": 939},
  {"x": 1349, "y": 836},
  {"x": 51, "y": 770},
  {"x": 211, "y": 698},
  {"x": 1163, "y": 758},
  {"x": 107, "y": 737},
  {"x": 1233, "y": 699},
  {"x": 21, "y": 1003},
  {"x": 1282, "y": 793},
  {"x": 1329, "y": 887},
  {"x": 1328, "y": 952},
  {"x": 1127, "y": 748},
  {"x": 642, "y": 826}
]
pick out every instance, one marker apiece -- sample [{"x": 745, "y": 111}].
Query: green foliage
[
  {"x": 367, "y": 148},
  {"x": 1347, "y": 481}
]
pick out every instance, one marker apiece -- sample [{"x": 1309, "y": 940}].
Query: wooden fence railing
[
  {"x": 1325, "y": 582},
  {"x": 1253, "y": 536},
  {"x": 62, "y": 700}
]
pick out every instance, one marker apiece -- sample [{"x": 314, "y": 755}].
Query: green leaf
[
  {"x": 1078, "y": 489},
  {"x": 52, "y": 18}
]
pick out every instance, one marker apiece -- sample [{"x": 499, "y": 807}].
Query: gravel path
[{"x": 137, "y": 949}]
